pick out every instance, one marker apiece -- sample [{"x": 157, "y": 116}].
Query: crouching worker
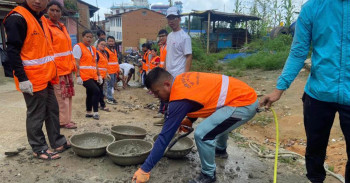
[{"x": 225, "y": 102}]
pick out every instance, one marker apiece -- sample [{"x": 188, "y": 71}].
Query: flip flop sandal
[
  {"x": 50, "y": 156},
  {"x": 64, "y": 148},
  {"x": 70, "y": 126}
]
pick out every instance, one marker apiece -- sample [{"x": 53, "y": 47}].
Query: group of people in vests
[{"x": 43, "y": 62}]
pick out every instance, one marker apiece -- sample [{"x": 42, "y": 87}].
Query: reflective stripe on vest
[
  {"x": 102, "y": 69},
  {"x": 223, "y": 93},
  {"x": 38, "y": 61},
  {"x": 87, "y": 67},
  {"x": 112, "y": 63},
  {"x": 62, "y": 54}
]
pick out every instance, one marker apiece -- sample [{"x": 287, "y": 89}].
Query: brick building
[
  {"x": 135, "y": 27},
  {"x": 86, "y": 11}
]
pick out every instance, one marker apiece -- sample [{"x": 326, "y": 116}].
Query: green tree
[{"x": 289, "y": 9}]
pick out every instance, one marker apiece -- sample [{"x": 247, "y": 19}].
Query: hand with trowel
[{"x": 225, "y": 102}]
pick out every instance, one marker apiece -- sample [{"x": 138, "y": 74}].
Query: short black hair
[
  {"x": 154, "y": 49},
  {"x": 132, "y": 71},
  {"x": 163, "y": 31},
  {"x": 154, "y": 75},
  {"x": 110, "y": 37},
  {"x": 86, "y": 32},
  {"x": 146, "y": 45},
  {"x": 100, "y": 32},
  {"x": 100, "y": 40},
  {"x": 54, "y": 2}
]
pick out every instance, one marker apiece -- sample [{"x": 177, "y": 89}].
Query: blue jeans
[
  {"x": 213, "y": 132},
  {"x": 110, "y": 87}
]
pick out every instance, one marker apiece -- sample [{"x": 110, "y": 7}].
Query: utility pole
[{"x": 98, "y": 15}]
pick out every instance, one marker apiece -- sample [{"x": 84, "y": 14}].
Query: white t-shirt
[
  {"x": 178, "y": 46},
  {"x": 126, "y": 68},
  {"x": 77, "y": 51}
]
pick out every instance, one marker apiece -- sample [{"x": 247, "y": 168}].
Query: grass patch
[
  {"x": 331, "y": 168},
  {"x": 269, "y": 54},
  {"x": 262, "y": 119},
  {"x": 287, "y": 160}
]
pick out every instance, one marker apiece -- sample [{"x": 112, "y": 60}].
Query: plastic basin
[
  {"x": 129, "y": 151},
  {"x": 121, "y": 132},
  {"x": 180, "y": 149},
  {"x": 91, "y": 144}
]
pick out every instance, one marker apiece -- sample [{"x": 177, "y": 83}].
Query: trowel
[{"x": 178, "y": 137}]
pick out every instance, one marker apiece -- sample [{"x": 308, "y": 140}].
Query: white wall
[{"x": 116, "y": 28}]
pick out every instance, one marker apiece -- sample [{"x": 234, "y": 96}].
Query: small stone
[
  {"x": 238, "y": 168},
  {"x": 250, "y": 175}
]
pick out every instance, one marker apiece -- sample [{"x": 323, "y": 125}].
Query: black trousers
[
  {"x": 43, "y": 106},
  {"x": 318, "y": 121},
  {"x": 102, "y": 95},
  {"x": 92, "y": 94}
]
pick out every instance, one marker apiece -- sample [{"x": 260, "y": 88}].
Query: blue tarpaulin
[{"x": 233, "y": 56}]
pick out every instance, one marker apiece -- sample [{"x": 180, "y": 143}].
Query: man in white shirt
[
  {"x": 128, "y": 70},
  {"x": 179, "y": 48}
]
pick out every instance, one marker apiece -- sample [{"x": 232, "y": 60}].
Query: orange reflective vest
[
  {"x": 87, "y": 66},
  {"x": 153, "y": 64},
  {"x": 113, "y": 65},
  {"x": 37, "y": 54},
  {"x": 145, "y": 65},
  {"x": 102, "y": 64},
  {"x": 212, "y": 91},
  {"x": 62, "y": 46},
  {"x": 162, "y": 56}
]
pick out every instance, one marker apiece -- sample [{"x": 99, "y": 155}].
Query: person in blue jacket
[{"x": 326, "y": 25}]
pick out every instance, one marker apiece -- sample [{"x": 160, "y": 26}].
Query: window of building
[{"x": 144, "y": 13}]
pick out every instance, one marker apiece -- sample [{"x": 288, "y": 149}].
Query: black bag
[{"x": 6, "y": 64}]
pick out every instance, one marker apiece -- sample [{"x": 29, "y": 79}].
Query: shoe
[
  {"x": 159, "y": 123},
  {"x": 145, "y": 88},
  {"x": 112, "y": 102},
  {"x": 221, "y": 153},
  {"x": 96, "y": 116},
  {"x": 203, "y": 178},
  {"x": 89, "y": 115},
  {"x": 159, "y": 115}
]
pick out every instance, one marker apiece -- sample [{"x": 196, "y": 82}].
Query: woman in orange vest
[
  {"x": 155, "y": 61},
  {"x": 32, "y": 59},
  {"x": 225, "y": 102},
  {"x": 65, "y": 63},
  {"x": 102, "y": 60},
  {"x": 88, "y": 74}
]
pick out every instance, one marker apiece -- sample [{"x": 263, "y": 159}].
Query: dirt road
[{"x": 242, "y": 166}]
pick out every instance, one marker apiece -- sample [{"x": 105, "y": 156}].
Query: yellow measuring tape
[{"x": 277, "y": 146}]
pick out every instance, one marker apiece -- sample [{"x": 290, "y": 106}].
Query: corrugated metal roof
[{"x": 221, "y": 16}]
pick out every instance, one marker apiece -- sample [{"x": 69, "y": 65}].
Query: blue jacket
[{"x": 326, "y": 25}]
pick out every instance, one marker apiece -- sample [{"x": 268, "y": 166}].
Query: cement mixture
[
  {"x": 92, "y": 142},
  {"x": 129, "y": 150}
]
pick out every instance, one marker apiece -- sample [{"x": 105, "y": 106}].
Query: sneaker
[
  {"x": 159, "y": 123},
  {"x": 145, "y": 88},
  {"x": 203, "y": 178},
  {"x": 96, "y": 116},
  {"x": 221, "y": 153},
  {"x": 112, "y": 102},
  {"x": 89, "y": 115},
  {"x": 159, "y": 115}
]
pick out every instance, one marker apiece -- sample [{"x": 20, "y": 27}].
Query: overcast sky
[{"x": 188, "y": 5}]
